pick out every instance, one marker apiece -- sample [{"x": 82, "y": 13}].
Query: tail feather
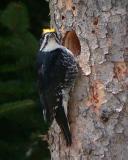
[{"x": 63, "y": 123}]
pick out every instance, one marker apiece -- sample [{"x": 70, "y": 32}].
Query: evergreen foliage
[{"x": 20, "y": 117}]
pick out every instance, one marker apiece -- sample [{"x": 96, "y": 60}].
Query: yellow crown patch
[{"x": 48, "y": 30}]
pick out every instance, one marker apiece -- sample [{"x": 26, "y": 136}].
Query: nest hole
[{"x": 72, "y": 42}]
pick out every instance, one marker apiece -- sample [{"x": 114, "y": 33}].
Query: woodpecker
[{"x": 57, "y": 71}]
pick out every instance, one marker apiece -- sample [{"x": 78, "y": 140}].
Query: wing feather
[{"x": 55, "y": 72}]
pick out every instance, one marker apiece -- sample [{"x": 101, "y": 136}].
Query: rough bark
[{"x": 97, "y": 33}]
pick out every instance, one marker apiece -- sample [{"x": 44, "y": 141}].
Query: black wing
[{"x": 56, "y": 71}]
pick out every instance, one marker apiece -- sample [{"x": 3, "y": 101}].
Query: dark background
[{"x": 21, "y": 121}]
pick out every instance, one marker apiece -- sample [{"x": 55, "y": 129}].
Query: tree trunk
[{"x": 96, "y": 31}]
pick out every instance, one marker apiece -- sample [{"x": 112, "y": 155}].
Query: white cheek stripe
[
  {"x": 52, "y": 45},
  {"x": 42, "y": 45}
]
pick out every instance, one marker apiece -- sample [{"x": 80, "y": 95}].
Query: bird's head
[{"x": 49, "y": 40}]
